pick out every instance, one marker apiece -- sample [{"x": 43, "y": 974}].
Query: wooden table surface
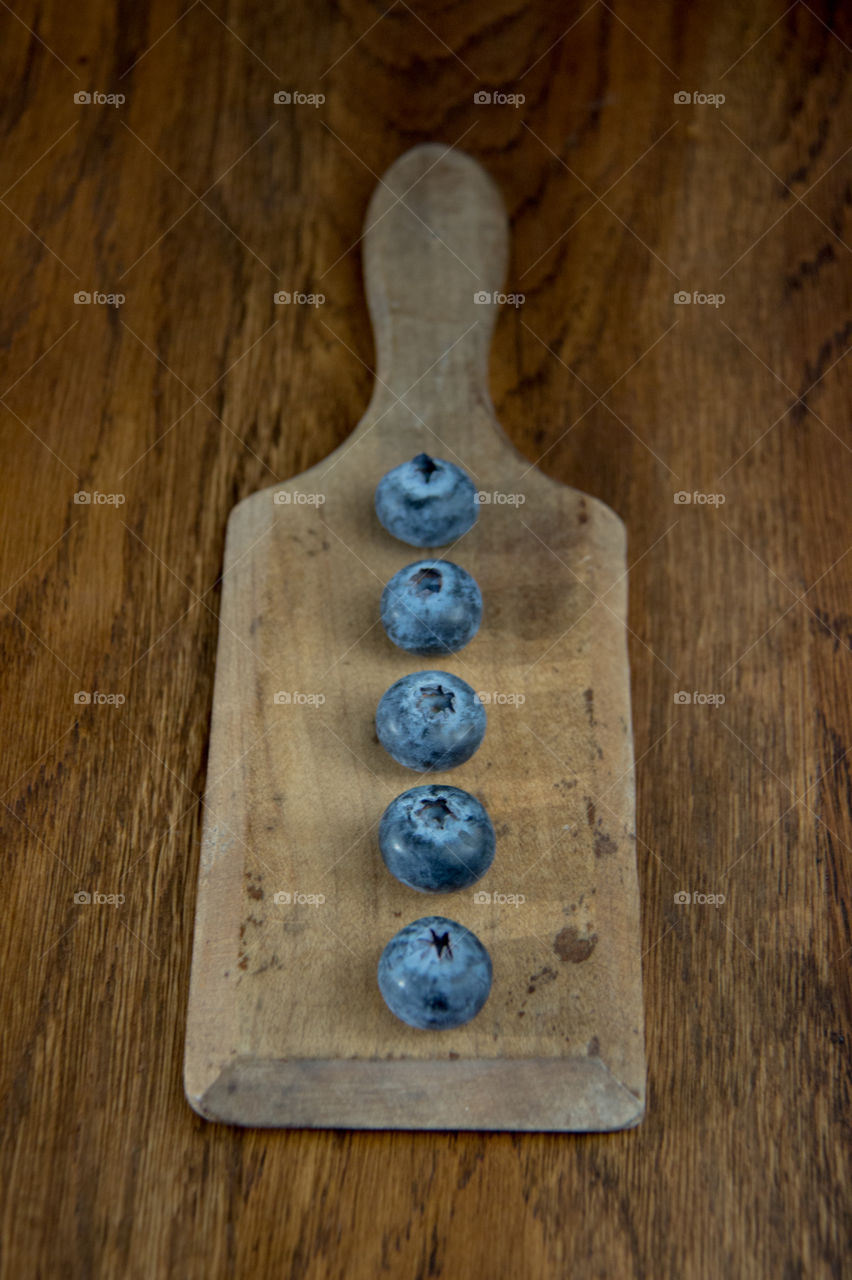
[{"x": 195, "y": 199}]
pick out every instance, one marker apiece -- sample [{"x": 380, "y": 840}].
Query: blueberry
[
  {"x": 436, "y": 839},
  {"x": 431, "y": 606},
  {"x": 426, "y": 502},
  {"x": 430, "y": 720},
  {"x": 435, "y": 974}
]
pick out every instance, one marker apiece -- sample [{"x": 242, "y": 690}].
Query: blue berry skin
[
  {"x": 426, "y": 502},
  {"x": 430, "y": 721},
  {"x": 436, "y": 839},
  {"x": 431, "y": 606},
  {"x": 435, "y": 974}
]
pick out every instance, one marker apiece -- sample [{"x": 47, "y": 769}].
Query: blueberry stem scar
[
  {"x": 440, "y": 943},
  {"x": 427, "y": 580},
  {"x": 439, "y": 699},
  {"x": 436, "y": 811},
  {"x": 425, "y": 466}
]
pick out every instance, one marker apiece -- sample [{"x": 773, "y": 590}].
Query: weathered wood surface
[
  {"x": 187, "y": 399},
  {"x": 286, "y": 1024}
]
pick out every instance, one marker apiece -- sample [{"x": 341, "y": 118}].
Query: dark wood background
[{"x": 198, "y": 197}]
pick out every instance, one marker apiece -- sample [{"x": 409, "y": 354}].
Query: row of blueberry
[{"x": 434, "y": 973}]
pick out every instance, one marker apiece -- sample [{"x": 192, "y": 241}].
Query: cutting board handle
[{"x": 435, "y": 241}]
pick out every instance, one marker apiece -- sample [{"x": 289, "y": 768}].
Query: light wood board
[{"x": 286, "y": 1026}]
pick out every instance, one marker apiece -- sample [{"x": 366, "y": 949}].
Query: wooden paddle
[{"x": 286, "y": 1025}]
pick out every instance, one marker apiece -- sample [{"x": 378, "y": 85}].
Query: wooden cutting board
[{"x": 286, "y": 1026}]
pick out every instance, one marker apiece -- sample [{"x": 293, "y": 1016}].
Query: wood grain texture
[
  {"x": 286, "y": 1025},
  {"x": 198, "y": 391}
]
